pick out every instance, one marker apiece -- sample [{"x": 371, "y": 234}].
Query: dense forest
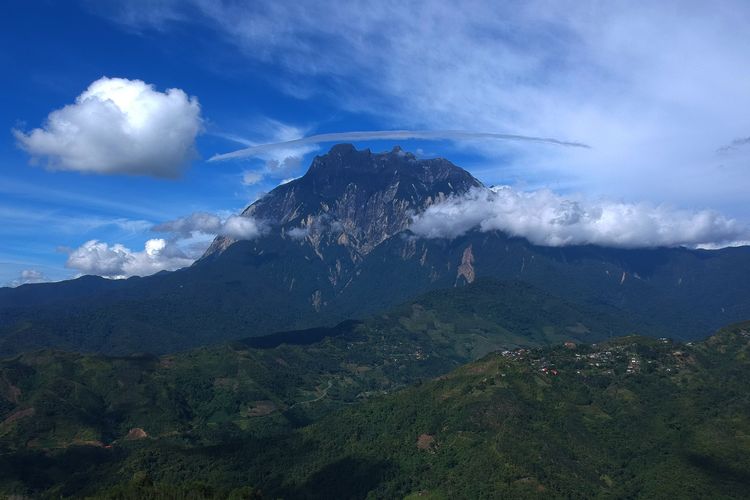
[{"x": 620, "y": 417}]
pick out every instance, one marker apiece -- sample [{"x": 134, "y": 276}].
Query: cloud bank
[
  {"x": 187, "y": 239},
  {"x": 547, "y": 219},
  {"x": 455, "y": 135},
  {"x": 119, "y": 126}
]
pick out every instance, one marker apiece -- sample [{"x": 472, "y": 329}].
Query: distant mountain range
[{"x": 339, "y": 247}]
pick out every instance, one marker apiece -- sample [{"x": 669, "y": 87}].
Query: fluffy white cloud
[
  {"x": 119, "y": 126},
  {"x": 545, "y": 218},
  {"x": 188, "y": 238},
  {"x": 118, "y": 261}
]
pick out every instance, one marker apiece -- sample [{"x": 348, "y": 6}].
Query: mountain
[
  {"x": 630, "y": 416},
  {"x": 355, "y": 200},
  {"x": 338, "y": 247}
]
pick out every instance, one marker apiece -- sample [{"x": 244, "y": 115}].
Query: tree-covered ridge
[
  {"x": 273, "y": 284},
  {"x": 628, "y": 417},
  {"x": 55, "y": 399},
  {"x": 633, "y": 417}
]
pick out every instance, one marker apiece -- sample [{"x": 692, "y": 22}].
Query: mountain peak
[
  {"x": 367, "y": 197},
  {"x": 343, "y": 149}
]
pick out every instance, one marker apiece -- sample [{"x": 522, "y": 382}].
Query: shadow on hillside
[
  {"x": 347, "y": 478},
  {"x": 719, "y": 470}
]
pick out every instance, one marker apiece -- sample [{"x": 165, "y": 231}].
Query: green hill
[
  {"x": 627, "y": 417},
  {"x": 55, "y": 399}
]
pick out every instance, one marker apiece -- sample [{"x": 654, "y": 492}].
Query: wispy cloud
[
  {"x": 454, "y": 135},
  {"x": 654, "y": 86},
  {"x": 24, "y": 219},
  {"x": 72, "y": 198},
  {"x": 281, "y": 151}
]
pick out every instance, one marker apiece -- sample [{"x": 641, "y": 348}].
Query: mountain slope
[
  {"x": 71, "y": 398},
  {"x": 339, "y": 247},
  {"x": 632, "y": 417},
  {"x": 628, "y": 417}
]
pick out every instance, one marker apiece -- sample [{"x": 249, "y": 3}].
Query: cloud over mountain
[
  {"x": 455, "y": 135},
  {"x": 234, "y": 226},
  {"x": 549, "y": 219},
  {"x": 188, "y": 237},
  {"x": 119, "y": 126}
]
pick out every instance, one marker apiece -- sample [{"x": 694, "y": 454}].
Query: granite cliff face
[{"x": 355, "y": 199}]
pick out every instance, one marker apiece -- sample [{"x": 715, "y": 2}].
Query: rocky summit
[{"x": 355, "y": 199}]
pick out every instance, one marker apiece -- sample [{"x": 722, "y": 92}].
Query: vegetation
[
  {"x": 78, "y": 398},
  {"x": 626, "y": 417},
  {"x": 259, "y": 287}
]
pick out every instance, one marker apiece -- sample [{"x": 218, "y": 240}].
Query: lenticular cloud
[
  {"x": 119, "y": 126},
  {"x": 548, "y": 219}
]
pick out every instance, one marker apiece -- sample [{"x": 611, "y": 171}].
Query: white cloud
[
  {"x": 28, "y": 276},
  {"x": 237, "y": 227},
  {"x": 548, "y": 219},
  {"x": 240, "y": 227},
  {"x": 118, "y": 261},
  {"x": 119, "y": 126},
  {"x": 654, "y": 87},
  {"x": 189, "y": 237}
]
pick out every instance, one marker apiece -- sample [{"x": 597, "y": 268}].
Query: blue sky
[{"x": 658, "y": 92}]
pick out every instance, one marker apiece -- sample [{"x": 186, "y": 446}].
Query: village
[{"x": 618, "y": 358}]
